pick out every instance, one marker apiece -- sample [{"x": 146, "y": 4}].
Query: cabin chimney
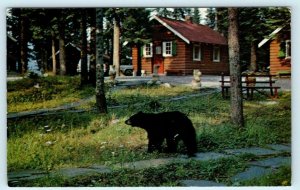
[{"x": 188, "y": 19}]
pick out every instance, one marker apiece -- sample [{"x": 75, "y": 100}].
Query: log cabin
[
  {"x": 279, "y": 42},
  {"x": 178, "y": 47}
]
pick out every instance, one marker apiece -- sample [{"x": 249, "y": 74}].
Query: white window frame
[
  {"x": 195, "y": 53},
  {"x": 167, "y": 49},
  {"x": 148, "y": 50},
  {"x": 287, "y": 48},
  {"x": 216, "y": 49}
]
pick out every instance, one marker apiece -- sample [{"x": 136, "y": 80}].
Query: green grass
[
  {"x": 52, "y": 92},
  {"x": 84, "y": 139}
]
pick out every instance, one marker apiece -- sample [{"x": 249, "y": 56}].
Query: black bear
[{"x": 172, "y": 126}]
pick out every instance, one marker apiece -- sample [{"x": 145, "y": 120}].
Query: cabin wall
[
  {"x": 206, "y": 64},
  {"x": 147, "y": 65},
  {"x": 134, "y": 53},
  {"x": 176, "y": 65},
  {"x": 277, "y": 64}
]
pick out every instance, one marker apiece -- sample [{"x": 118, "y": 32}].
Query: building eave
[
  {"x": 265, "y": 40},
  {"x": 170, "y": 28}
]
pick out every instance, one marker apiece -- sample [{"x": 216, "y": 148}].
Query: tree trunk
[
  {"x": 23, "y": 64},
  {"x": 53, "y": 52},
  {"x": 62, "y": 49},
  {"x": 44, "y": 59},
  {"x": 253, "y": 58},
  {"x": 84, "y": 75},
  {"x": 236, "y": 98},
  {"x": 92, "y": 44},
  {"x": 100, "y": 93},
  {"x": 116, "y": 46}
]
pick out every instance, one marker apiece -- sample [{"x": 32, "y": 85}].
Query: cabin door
[{"x": 158, "y": 60}]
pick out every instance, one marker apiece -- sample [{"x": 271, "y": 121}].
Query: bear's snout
[{"x": 128, "y": 122}]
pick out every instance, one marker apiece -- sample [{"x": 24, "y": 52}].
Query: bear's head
[{"x": 135, "y": 120}]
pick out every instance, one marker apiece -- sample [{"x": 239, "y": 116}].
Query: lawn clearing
[{"x": 84, "y": 139}]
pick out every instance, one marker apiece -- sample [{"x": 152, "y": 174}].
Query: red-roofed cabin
[{"x": 179, "y": 47}]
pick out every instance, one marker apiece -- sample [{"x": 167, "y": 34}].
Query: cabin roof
[{"x": 192, "y": 32}]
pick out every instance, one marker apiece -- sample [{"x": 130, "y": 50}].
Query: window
[
  {"x": 216, "y": 54},
  {"x": 197, "y": 52},
  {"x": 285, "y": 49},
  {"x": 148, "y": 50},
  {"x": 167, "y": 49}
]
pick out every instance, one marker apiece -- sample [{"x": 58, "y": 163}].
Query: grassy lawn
[
  {"x": 84, "y": 139},
  {"x": 26, "y": 95}
]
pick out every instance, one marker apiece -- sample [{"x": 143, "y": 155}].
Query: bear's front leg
[{"x": 154, "y": 143}]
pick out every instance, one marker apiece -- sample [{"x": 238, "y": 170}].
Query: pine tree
[
  {"x": 196, "y": 16},
  {"x": 100, "y": 92},
  {"x": 236, "y": 98},
  {"x": 62, "y": 49},
  {"x": 23, "y": 40},
  {"x": 83, "y": 27},
  {"x": 210, "y": 17}
]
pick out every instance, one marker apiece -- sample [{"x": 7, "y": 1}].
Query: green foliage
[
  {"x": 174, "y": 13},
  {"x": 196, "y": 16},
  {"x": 255, "y": 23}
]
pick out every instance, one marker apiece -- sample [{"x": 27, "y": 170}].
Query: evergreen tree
[
  {"x": 196, "y": 16},
  {"x": 236, "y": 97},
  {"x": 83, "y": 53},
  {"x": 211, "y": 17},
  {"x": 62, "y": 47},
  {"x": 23, "y": 40},
  {"x": 100, "y": 93}
]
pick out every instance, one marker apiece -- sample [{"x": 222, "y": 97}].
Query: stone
[
  {"x": 210, "y": 156},
  {"x": 166, "y": 85},
  {"x": 272, "y": 162},
  {"x": 143, "y": 164},
  {"x": 280, "y": 147},
  {"x": 74, "y": 172},
  {"x": 252, "y": 150},
  {"x": 26, "y": 175},
  {"x": 200, "y": 183},
  {"x": 251, "y": 173}
]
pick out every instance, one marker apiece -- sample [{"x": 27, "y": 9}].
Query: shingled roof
[{"x": 191, "y": 32}]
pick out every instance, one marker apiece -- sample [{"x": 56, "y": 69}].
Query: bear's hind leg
[{"x": 172, "y": 142}]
